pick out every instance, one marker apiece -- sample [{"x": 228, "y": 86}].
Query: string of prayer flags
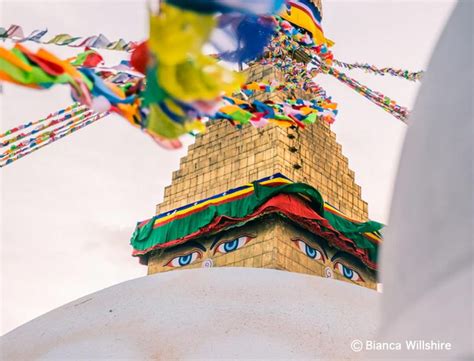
[
  {"x": 406, "y": 74},
  {"x": 298, "y": 112},
  {"x": 32, "y": 123},
  {"x": 23, "y": 148},
  {"x": 41, "y": 124},
  {"x": 169, "y": 87},
  {"x": 377, "y": 98},
  {"x": 16, "y": 34}
]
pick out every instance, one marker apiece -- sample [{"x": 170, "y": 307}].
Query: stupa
[
  {"x": 245, "y": 313},
  {"x": 218, "y": 210}
]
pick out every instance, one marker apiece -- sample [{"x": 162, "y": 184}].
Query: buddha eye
[
  {"x": 184, "y": 260},
  {"x": 308, "y": 250},
  {"x": 347, "y": 272},
  {"x": 232, "y": 245}
]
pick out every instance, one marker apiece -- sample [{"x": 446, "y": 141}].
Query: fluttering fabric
[
  {"x": 41, "y": 124},
  {"x": 260, "y": 7},
  {"x": 250, "y": 33},
  {"x": 42, "y": 70},
  {"x": 375, "y": 97},
  {"x": 95, "y": 90},
  {"x": 291, "y": 41},
  {"x": 275, "y": 194},
  {"x": 182, "y": 82},
  {"x": 170, "y": 87},
  {"x": 287, "y": 113},
  {"x": 48, "y": 130},
  {"x": 306, "y": 15},
  {"x": 368, "y": 68},
  {"x": 88, "y": 59},
  {"x": 16, "y": 34},
  {"x": 106, "y": 89}
]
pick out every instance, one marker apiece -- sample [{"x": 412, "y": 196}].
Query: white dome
[{"x": 205, "y": 314}]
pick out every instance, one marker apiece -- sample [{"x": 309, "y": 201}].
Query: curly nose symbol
[{"x": 207, "y": 263}]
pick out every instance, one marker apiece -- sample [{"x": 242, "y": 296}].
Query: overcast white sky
[{"x": 69, "y": 209}]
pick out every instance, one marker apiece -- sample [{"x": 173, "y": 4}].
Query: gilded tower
[
  {"x": 225, "y": 158},
  {"x": 272, "y": 197}
]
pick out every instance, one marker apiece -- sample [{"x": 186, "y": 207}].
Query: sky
[{"x": 69, "y": 209}]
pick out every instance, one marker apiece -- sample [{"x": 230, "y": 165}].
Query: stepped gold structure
[{"x": 225, "y": 157}]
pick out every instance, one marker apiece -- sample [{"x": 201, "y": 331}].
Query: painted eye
[
  {"x": 232, "y": 245},
  {"x": 184, "y": 260},
  {"x": 308, "y": 250},
  {"x": 347, "y": 272}
]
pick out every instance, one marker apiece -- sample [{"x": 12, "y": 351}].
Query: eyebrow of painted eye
[
  {"x": 337, "y": 255},
  {"x": 340, "y": 256},
  {"x": 189, "y": 245},
  {"x": 218, "y": 238},
  {"x": 198, "y": 245}
]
